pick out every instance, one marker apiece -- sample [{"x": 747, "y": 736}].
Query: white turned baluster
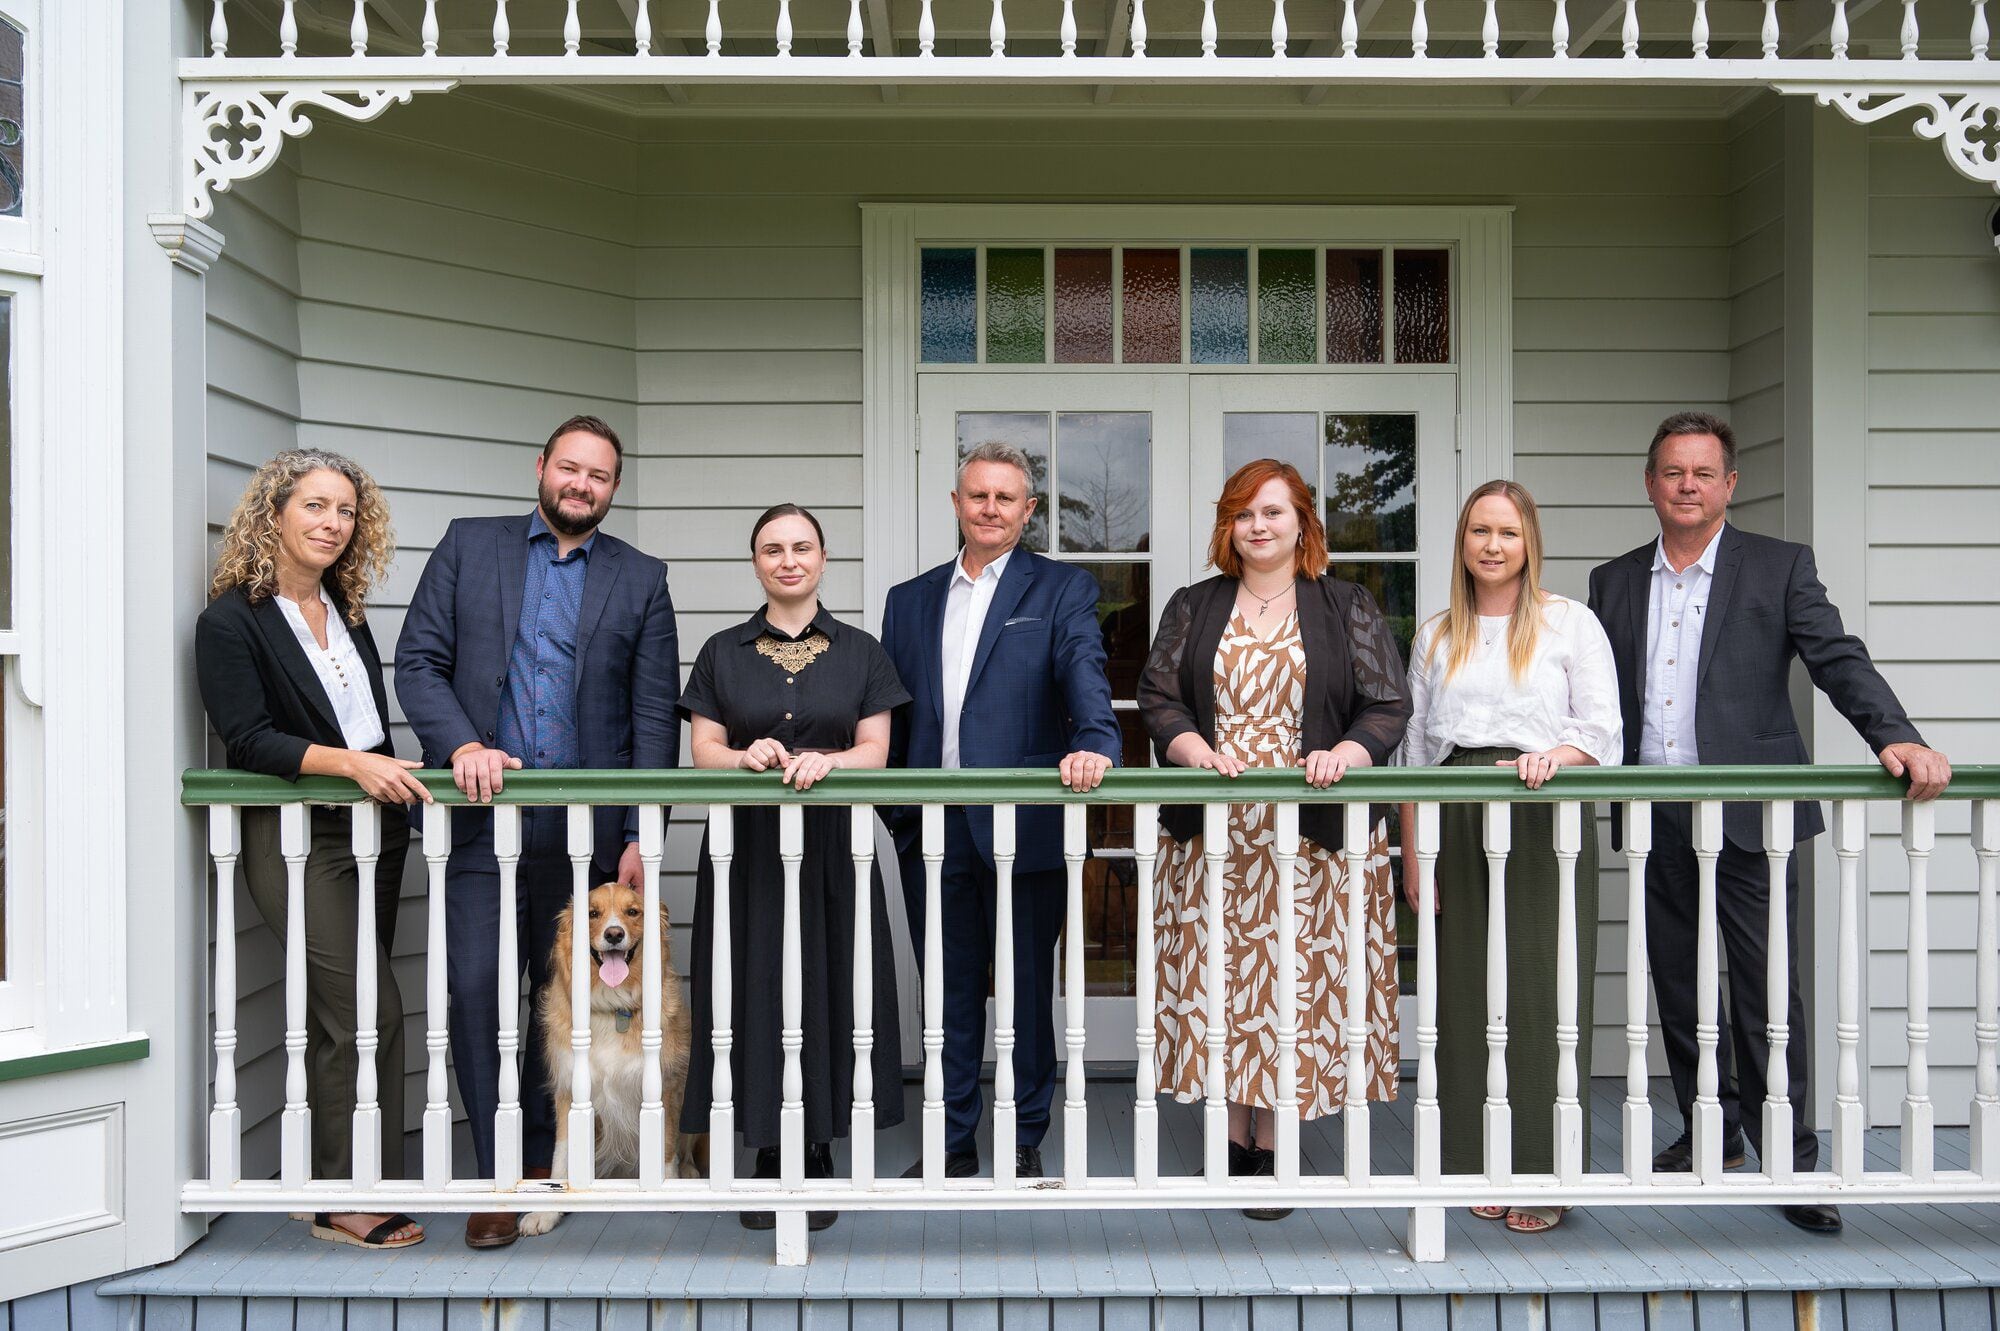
[
  {"x": 1354, "y": 852},
  {"x": 1281, "y": 32},
  {"x": 1850, "y": 835},
  {"x": 1076, "y": 1109},
  {"x": 1628, "y": 37},
  {"x": 582, "y": 1124},
  {"x": 1069, "y": 28},
  {"x": 1420, "y": 31},
  {"x": 437, "y": 1031},
  {"x": 653, "y": 1162},
  {"x": 1919, "y": 1115},
  {"x": 854, "y": 31},
  {"x": 507, "y": 1113},
  {"x": 430, "y": 28},
  {"x": 572, "y": 31},
  {"x": 1909, "y": 34},
  {"x": 791, "y": 1226},
  {"x": 225, "y": 1119},
  {"x": 1707, "y": 1029},
  {"x": 712, "y": 30},
  {"x": 1215, "y": 1072},
  {"x": 1700, "y": 34},
  {"x": 1208, "y": 31},
  {"x": 1138, "y": 29},
  {"x": 1145, "y": 1107},
  {"x": 1426, "y": 1228},
  {"x": 1350, "y": 31},
  {"x": 295, "y": 1132},
  {"x": 1006, "y": 1002},
  {"x": 1498, "y": 1119},
  {"x": 1285, "y": 1107},
  {"x": 861, "y": 1120},
  {"x": 1979, "y": 33},
  {"x": 501, "y": 31},
  {"x": 1986, "y": 1015},
  {"x": 1559, "y": 34},
  {"x": 642, "y": 28},
  {"x": 1837, "y": 34},
  {"x": 218, "y": 32},
  {"x": 1778, "y": 1108},
  {"x": 1638, "y": 1102},
  {"x": 926, "y": 31},
  {"x": 1569, "y": 1108},
  {"x": 721, "y": 1000},
  {"x": 1769, "y": 37},
  {"x": 996, "y": 31},
  {"x": 288, "y": 30},
  {"x": 931, "y": 846},
  {"x": 365, "y": 836},
  {"x": 357, "y": 28},
  {"x": 784, "y": 27}
]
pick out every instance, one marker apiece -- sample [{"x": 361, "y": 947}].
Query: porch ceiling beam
[
  {"x": 1855, "y": 9},
  {"x": 882, "y": 36},
  {"x": 1321, "y": 47},
  {"x": 664, "y": 44},
  {"x": 1117, "y": 29},
  {"x": 394, "y": 19},
  {"x": 1607, "y": 12}
]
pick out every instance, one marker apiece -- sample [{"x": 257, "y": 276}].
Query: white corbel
[
  {"x": 236, "y": 131},
  {"x": 1964, "y": 120},
  {"x": 193, "y": 245}
]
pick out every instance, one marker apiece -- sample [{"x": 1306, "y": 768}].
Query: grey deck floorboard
[{"x": 980, "y": 1258}]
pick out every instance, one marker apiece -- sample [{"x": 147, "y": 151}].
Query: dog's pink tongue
[{"x": 612, "y": 969}]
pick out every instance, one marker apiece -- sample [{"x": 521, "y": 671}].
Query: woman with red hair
[{"x": 1272, "y": 663}]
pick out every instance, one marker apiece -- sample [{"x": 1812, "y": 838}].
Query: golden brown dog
[{"x": 616, "y": 939}]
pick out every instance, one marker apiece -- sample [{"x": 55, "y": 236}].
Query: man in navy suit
[
  {"x": 534, "y": 641},
  {"x": 1004, "y": 660}
]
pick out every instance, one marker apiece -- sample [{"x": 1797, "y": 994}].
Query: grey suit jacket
[{"x": 1766, "y": 606}]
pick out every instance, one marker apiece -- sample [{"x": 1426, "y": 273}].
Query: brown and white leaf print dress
[{"x": 1259, "y": 695}]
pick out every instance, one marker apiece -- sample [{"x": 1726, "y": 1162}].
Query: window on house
[{"x": 13, "y": 68}]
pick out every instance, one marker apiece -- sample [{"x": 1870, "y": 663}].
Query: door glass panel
[
  {"x": 1122, "y": 602},
  {"x": 1393, "y": 584},
  {"x": 1014, "y": 318},
  {"x": 1083, "y": 307},
  {"x": 1371, "y": 482},
  {"x": 1029, "y": 432},
  {"x": 1104, "y": 461},
  {"x": 1152, "y": 290},
  {"x": 1288, "y": 436},
  {"x": 1110, "y": 882},
  {"x": 949, "y": 309},
  {"x": 1219, "y": 319}
]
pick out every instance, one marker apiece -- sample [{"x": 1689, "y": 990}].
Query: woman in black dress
[{"x": 792, "y": 691}]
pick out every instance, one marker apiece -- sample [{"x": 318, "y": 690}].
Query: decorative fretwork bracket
[
  {"x": 1966, "y": 121},
  {"x": 235, "y": 131}
]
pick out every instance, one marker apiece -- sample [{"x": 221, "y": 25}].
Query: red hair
[{"x": 1239, "y": 490}]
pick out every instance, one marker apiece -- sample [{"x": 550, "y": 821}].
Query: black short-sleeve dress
[{"x": 810, "y": 692}]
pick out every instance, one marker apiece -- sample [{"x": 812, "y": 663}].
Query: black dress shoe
[
  {"x": 1027, "y": 1162},
  {"x": 1679, "y": 1158},
  {"x": 1262, "y": 1164},
  {"x": 765, "y": 1167},
  {"x": 1814, "y": 1219},
  {"x": 957, "y": 1164},
  {"x": 819, "y": 1164}
]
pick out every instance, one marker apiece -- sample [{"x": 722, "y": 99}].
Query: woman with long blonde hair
[
  {"x": 293, "y": 684},
  {"x": 1513, "y": 675}
]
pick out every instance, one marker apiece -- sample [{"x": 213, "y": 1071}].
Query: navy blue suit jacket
[
  {"x": 1037, "y": 689},
  {"x": 451, "y": 661}
]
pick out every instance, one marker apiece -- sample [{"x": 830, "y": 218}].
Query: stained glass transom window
[
  {"x": 1186, "y": 305},
  {"x": 13, "y": 119}
]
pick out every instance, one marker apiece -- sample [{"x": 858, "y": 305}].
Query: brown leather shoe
[{"x": 491, "y": 1229}]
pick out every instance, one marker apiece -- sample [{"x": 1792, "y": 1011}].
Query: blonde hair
[
  {"x": 249, "y": 554},
  {"x": 1458, "y": 626}
]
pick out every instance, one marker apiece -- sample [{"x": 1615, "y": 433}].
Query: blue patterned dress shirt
[{"x": 538, "y": 709}]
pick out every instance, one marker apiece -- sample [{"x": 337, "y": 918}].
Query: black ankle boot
[
  {"x": 819, "y": 1164},
  {"x": 1263, "y": 1164},
  {"x": 766, "y": 1167}
]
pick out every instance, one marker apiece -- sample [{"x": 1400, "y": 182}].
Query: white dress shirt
[
  {"x": 965, "y": 607},
  {"x": 340, "y": 672},
  {"x": 1568, "y": 696},
  {"x": 1676, "y": 610}
]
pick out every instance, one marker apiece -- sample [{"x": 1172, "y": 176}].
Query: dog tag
[{"x": 624, "y": 1022}]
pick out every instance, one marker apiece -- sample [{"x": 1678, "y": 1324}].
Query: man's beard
[{"x": 565, "y": 523}]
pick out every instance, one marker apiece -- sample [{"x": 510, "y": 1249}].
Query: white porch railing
[{"x": 1424, "y": 1190}]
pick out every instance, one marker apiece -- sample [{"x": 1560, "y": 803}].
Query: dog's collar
[{"x": 624, "y": 1019}]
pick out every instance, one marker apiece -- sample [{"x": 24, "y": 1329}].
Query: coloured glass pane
[
  {"x": 1393, "y": 584},
  {"x": 949, "y": 314},
  {"x": 1287, "y": 330},
  {"x": 1423, "y": 307},
  {"x": 1371, "y": 482},
  {"x": 1354, "y": 307},
  {"x": 1083, "y": 307},
  {"x": 13, "y": 125},
  {"x": 1016, "y": 325},
  {"x": 1152, "y": 290},
  {"x": 1219, "y": 311},
  {"x": 1288, "y": 436},
  {"x": 1104, "y": 467},
  {"x": 1029, "y": 432}
]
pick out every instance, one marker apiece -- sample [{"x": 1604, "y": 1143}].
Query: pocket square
[{"x": 1023, "y": 619}]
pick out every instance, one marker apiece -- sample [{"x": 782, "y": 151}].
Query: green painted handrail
[{"x": 1125, "y": 785}]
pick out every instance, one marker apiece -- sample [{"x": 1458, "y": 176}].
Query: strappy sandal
[
  {"x": 1490, "y": 1212},
  {"x": 1535, "y": 1219},
  {"x": 378, "y": 1237}
]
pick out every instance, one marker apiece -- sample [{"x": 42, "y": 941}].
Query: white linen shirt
[
  {"x": 340, "y": 672},
  {"x": 965, "y": 607},
  {"x": 1569, "y": 696},
  {"x": 1676, "y": 610}
]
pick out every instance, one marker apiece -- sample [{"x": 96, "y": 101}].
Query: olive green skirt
[{"x": 1532, "y": 889}]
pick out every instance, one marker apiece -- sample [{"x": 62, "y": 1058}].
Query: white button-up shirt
[
  {"x": 965, "y": 607},
  {"x": 340, "y": 672},
  {"x": 1676, "y": 610}
]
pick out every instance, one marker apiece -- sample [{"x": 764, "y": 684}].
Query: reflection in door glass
[
  {"x": 1122, "y": 599},
  {"x": 1104, "y": 474},
  {"x": 1111, "y": 884},
  {"x": 1393, "y": 584},
  {"x": 1289, "y": 436},
  {"x": 1029, "y": 432},
  {"x": 1371, "y": 482}
]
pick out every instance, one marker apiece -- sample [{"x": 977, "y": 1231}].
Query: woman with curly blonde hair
[{"x": 293, "y": 684}]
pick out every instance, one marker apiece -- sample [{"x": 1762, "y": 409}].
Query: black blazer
[
  {"x": 1766, "y": 605},
  {"x": 260, "y": 689},
  {"x": 1355, "y": 682}
]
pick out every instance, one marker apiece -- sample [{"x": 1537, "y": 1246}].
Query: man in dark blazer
[
  {"x": 1004, "y": 660},
  {"x": 1704, "y": 622},
  {"x": 534, "y": 641}
]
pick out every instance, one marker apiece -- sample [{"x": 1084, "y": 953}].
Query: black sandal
[{"x": 378, "y": 1237}]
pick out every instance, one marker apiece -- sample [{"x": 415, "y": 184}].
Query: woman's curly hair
[{"x": 249, "y": 555}]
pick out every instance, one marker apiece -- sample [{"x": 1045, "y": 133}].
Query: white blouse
[
  {"x": 1569, "y": 695},
  {"x": 340, "y": 672}
]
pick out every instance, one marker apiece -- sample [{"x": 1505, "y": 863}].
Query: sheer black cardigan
[{"x": 1355, "y": 683}]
